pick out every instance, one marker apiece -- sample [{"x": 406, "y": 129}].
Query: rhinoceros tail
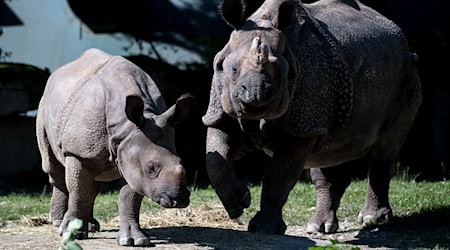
[{"x": 42, "y": 141}]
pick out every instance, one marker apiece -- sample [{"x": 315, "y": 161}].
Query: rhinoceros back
[
  {"x": 384, "y": 82},
  {"x": 348, "y": 50},
  {"x": 85, "y": 99}
]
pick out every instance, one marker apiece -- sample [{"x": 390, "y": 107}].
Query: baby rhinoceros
[{"x": 101, "y": 117}]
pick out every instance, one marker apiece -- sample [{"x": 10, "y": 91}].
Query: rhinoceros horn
[{"x": 260, "y": 52}]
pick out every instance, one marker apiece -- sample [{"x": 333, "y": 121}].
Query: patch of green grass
[
  {"x": 300, "y": 205},
  {"x": 106, "y": 206},
  {"x": 414, "y": 198},
  {"x": 335, "y": 245},
  {"x": 14, "y": 206},
  {"x": 353, "y": 200},
  {"x": 407, "y": 198}
]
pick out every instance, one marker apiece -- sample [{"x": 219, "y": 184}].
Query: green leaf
[
  {"x": 75, "y": 225},
  {"x": 67, "y": 237},
  {"x": 74, "y": 246},
  {"x": 334, "y": 242}
]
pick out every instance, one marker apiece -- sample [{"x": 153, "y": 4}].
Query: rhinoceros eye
[
  {"x": 234, "y": 71},
  {"x": 153, "y": 169},
  {"x": 219, "y": 66}
]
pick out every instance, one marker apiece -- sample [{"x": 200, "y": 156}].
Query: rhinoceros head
[
  {"x": 146, "y": 156},
  {"x": 252, "y": 72}
]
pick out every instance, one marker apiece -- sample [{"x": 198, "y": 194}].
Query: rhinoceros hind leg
[
  {"x": 384, "y": 153},
  {"x": 93, "y": 224},
  {"x": 60, "y": 195},
  {"x": 330, "y": 184},
  {"x": 58, "y": 205},
  {"x": 56, "y": 175},
  {"x": 376, "y": 209}
]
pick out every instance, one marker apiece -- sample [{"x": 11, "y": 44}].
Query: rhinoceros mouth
[
  {"x": 167, "y": 202},
  {"x": 247, "y": 111},
  {"x": 179, "y": 201}
]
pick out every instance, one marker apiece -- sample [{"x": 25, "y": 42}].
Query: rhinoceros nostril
[
  {"x": 245, "y": 95},
  {"x": 254, "y": 89},
  {"x": 257, "y": 96}
]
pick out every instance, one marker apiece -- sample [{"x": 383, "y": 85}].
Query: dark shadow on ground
[
  {"x": 217, "y": 238},
  {"x": 425, "y": 230}
]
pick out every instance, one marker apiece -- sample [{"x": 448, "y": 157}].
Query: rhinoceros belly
[
  {"x": 349, "y": 145},
  {"x": 331, "y": 158},
  {"x": 109, "y": 174}
]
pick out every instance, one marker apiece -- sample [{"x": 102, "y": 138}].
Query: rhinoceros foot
[
  {"x": 56, "y": 222},
  {"x": 323, "y": 223},
  {"x": 132, "y": 235},
  {"x": 271, "y": 225},
  {"x": 93, "y": 225},
  {"x": 236, "y": 209},
  {"x": 82, "y": 233},
  {"x": 324, "y": 228},
  {"x": 369, "y": 217}
]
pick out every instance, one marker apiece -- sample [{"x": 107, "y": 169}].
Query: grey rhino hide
[
  {"x": 334, "y": 76},
  {"x": 101, "y": 117}
]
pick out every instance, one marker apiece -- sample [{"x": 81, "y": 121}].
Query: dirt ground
[{"x": 209, "y": 228}]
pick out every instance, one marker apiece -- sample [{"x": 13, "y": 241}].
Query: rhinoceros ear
[
  {"x": 235, "y": 12},
  {"x": 287, "y": 14},
  {"x": 179, "y": 111},
  {"x": 215, "y": 112},
  {"x": 134, "y": 108}
]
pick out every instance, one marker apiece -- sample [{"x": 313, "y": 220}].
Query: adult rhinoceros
[{"x": 313, "y": 86}]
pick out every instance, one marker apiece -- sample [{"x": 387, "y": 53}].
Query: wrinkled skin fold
[
  {"x": 102, "y": 118},
  {"x": 313, "y": 86}
]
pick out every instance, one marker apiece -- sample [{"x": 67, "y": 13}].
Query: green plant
[
  {"x": 15, "y": 206},
  {"x": 68, "y": 241},
  {"x": 335, "y": 245}
]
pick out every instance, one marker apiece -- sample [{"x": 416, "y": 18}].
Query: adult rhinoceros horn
[{"x": 260, "y": 52}]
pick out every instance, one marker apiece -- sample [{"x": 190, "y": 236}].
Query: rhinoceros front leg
[
  {"x": 330, "y": 184},
  {"x": 377, "y": 209},
  {"x": 289, "y": 160},
  {"x": 82, "y": 192},
  {"x": 130, "y": 232},
  {"x": 220, "y": 156}
]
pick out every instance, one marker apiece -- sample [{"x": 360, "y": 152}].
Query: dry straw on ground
[
  {"x": 205, "y": 215},
  {"x": 34, "y": 221}
]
